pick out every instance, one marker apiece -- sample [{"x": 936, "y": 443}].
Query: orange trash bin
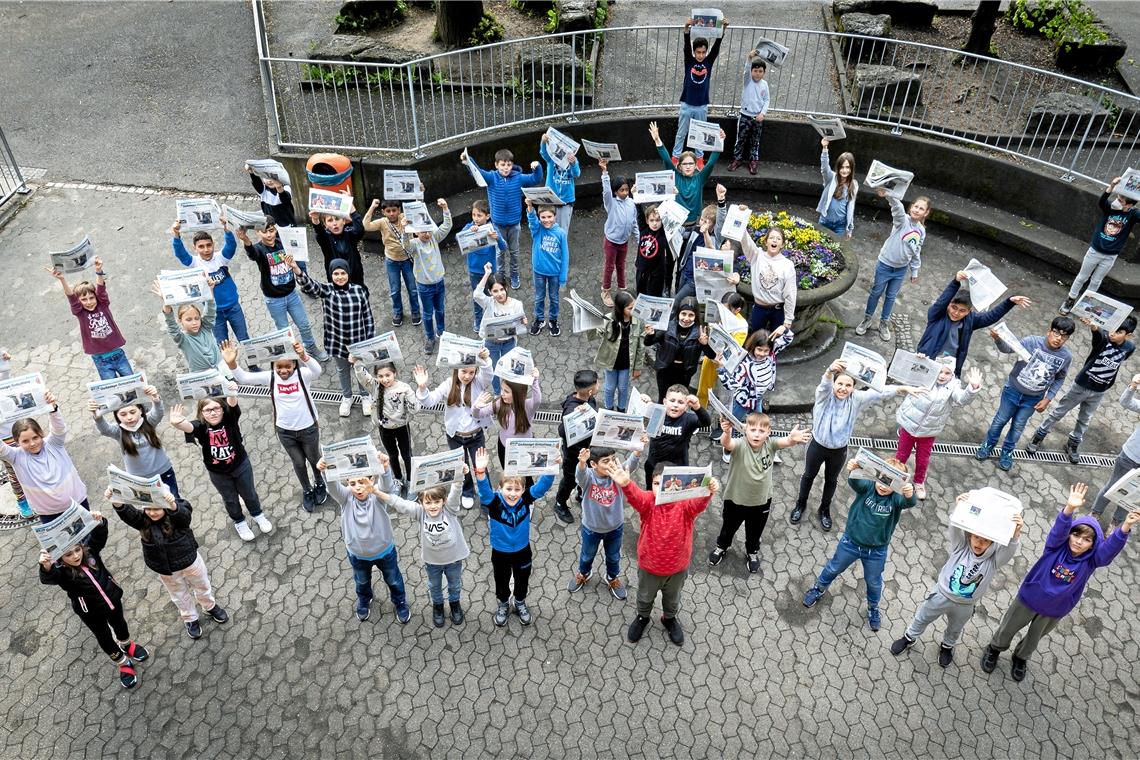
[{"x": 329, "y": 171}]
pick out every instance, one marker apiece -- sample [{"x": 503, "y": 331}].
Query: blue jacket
[
  {"x": 560, "y": 181},
  {"x": 510, "y": 523},
  {"x": 938, "y": 325},
  {"x": 550, "y": 253},
  {"x": 218, "y": 269},
  {"x": 480, "y": 256},
  {"x": 505, "y": 193}
]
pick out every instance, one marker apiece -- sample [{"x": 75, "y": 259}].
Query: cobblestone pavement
[{"x": 294, "y": 674}]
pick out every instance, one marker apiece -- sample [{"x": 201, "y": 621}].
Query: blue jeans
[
  {"x": 435, "y": 574},
  {"x": 235, "y": 317},
  {"x": 344, "y": 377},
  {"x": 874, "y": 559},
  {"x": 431, "y": 301},
  {"x": 590, "y": 543},
  {"x": 765, "y": 317},
  {"x": 839, "y": 228},
  {"x": 284, "y": 307},
  {"x": 401, "y": 271},
  {"x": 890, "y": 280},
  {"x": 545, "y": 287},
  {"x": 389, "y": 568},
  {"x": 112, "y": 364},
  {"x": 497, "y": 349},
  {"x": 1015, "y": 408},
  {"x": 687, "y": 113},
  {"x": 475, "y": 280},
  {"x": 616, "y": 381},
  {"x": 510, "y": 235}
]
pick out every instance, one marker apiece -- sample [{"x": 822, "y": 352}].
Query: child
[
  {"x": 1127, "y": 459},
  {"x": 460, "y": 425},
  {"x": 192, "y": 330},
  {"x": 962, "y": 581},
  {"x": 217, "y": 431},
  {"x": 427, "y": 265},
  {"x": 504, "y": 189},
  {"x": 226, "y": 302},
  {"x": 368, "y": 537},
  {"x": 755, "y": 376},
  {"x": 348, "y": 320},
  {"x": 279, "y": 286},
  {"x": 513, "y": 409},
  {"x": 585, "y": 389},
  {"x": 1097, "y": 375},
  {"x": 774, "y": 283},
  {"x": 688, "y": 177},
  {"x": 748, "y": 494},
  {"x": 47, "y": 475},
  {"x": 871, "y": 521},
  {"x": 1107, "y": 243},
  {"x": 836, "y": 207},
  {"x": 340, "y": 239},
  {"x": 294, "y": 414},
  {"x": 1030, "y": 387},
  {"x": 170, "y": 549},
  {"x": 509, "y": 513},
  {"x": 134, "y": 429},
  {"x": 397, "y": 263},
  {"x": 621, "y": 225},
  {"x": 396, "y": 404},
  {"x": 679, "y": 348},
  {"x": 654, "y": 257},
  {"x": 101, "y": 338},
  {"x": 683, "y": 415},
  {"x": 97, "y": 599},
  {"x": 901, "y": 252},
  {"x": 498, "y": 304},
  {"x": 6, "y": 437},
  {"x": 561, "y": 181},
  {"x": 707, "y": 378},
  {"x": 703, "y": 234},
  {"x": 276, "y": 199},
  {"x": 699, "y": 60},
  {"x": 1074, "y": 549},
  {"x": 550, "y": 260},
  {"x": 442, "y": 544},
  {"x": 481, "y": 258},
  {"x": 664, "y": 549},
  {"x": 603, "y": 516},
  {"x": 922, "y": 417},
  {"x": 753, "y": 108},
  {"x": 621, "y": 352}
]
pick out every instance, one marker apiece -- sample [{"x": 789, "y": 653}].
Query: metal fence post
[
  {"x": 10, "y": 170},
  {"x": 415, "y": 121}
]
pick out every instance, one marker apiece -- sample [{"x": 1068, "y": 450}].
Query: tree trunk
[
  {"x": 456, "y": 20},
  {"x": 982, "y": 23}
]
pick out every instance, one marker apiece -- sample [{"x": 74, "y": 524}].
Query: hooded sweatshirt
[
  {"x": 560, "y": 181},
  {"x": 550, "y": 252},
  {"x": 966, "y": 576},
  {"x": 365, "y": 525},
  {"x": 1055, "y": 584},
  {"x": 903, "y": 247}
]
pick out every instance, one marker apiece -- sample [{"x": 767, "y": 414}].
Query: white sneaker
[
  {"x": 920, "y": 491},
  {"x": 467, "y": 502},
  {"x": 346, "y": 406},
  {"x": 862, "y": 327},
  {"x": 243, "y": 530},
  {"x": 725, "y": 456},
  {"x": 263, "y": 523},
  {"x": 776, "y": 458},
  {"x": 366, "y": 406}
]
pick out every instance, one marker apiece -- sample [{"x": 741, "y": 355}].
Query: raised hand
[
  {"x": 974, "y": 377},
  {"x": 481, "y": 460},
  {"x": 1022, "y": 301},
  {"x": 177, "y": 414},
  {"x": 151, "y": 392},
  {"x": 654, "y": 133},
  {"x": 420, "y": 376},
  {"x": 619, "y": 474},
  {"x": 229, "y": 350},
  {"x": 1077, "y": 494},
  {"x": 799, "y": 435},
  {"x": 584, "y": 456}
]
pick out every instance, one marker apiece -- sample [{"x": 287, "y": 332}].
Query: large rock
[
  {"x": 554, "y": 65},
  {"x": 1092, "y": 55},
  {"x": 575, "y": 15},
  {"x": 360, "y": 49},
  {"x": 877, "y": 87},
  {"x": 365, "y": 15},
  {"x": 877, "y": 27},
  {"x": 1060, "y": 112},
  {"x": 902, "y": 12}
]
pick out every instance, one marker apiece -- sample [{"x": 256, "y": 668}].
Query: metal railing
[
  {"x": 1079, "y": 128},
  {"x": 11, "y": 178}
]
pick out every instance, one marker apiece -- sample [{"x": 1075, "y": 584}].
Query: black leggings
[
  {"x": 398, "y": 443},
  {"x": 755, "y": 518},
  {"x": 832, "y": 460},
  {"x": 506, "y": 564},
  {"x": 674, "y": 374},
  {"x": 102, "y": 623},
  {"x": 303, "y": 446},
  {"x": 568, "y": 482}
]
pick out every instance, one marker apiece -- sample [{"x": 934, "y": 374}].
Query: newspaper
[
  {"x": 402, "y": 185},
  {"x": 724, "y": 345},
  {"x": 682, "y": 483},
  {"x": 328, "y": 202},
  {"x": 867, "y": 367},
  {"x": 516, "y": 366},
  {"x": 672, "y": 215},
  {"x": 1006, "y": 336},
  {"x": 725, "y": 413},
  {"x": 417, "y": 218},
  {"x": 268, "y": 168},
  {"x": 207, "y": 383},
  {"x": 196, "y": 214},
  {"x": 542, "y": 196},
  {"x": 653, "y": 413},
  {"x": 1129, "y": 184},
  {"x": 608, "y": 151},
  {"x": 579, "y": 424},
  {"x": 560, "y": 147},
  {"x": 502, "y": 328},
  {"x": 72, "y": 526},
  {"x": 908, "y": 368},
  {"x": 653, "y": 311},
  {"x": 474, "y": 170},
  {"x": 985, "y": 287},
  {"x": 379, "y": 350},
  {"x": 894, "y": 181},
  {"x": 136, "y": 490},
  {"x": 771, "y": 51},
  {"x": 118, "y": 392},
  {"x": 830, "y": 127},
  {"x": 708, "y": 23},
  {"x": 295, "y": 241},
  {"x": 735, "y": 225},
  {"x": 270, "y": 347},
  {"x": 353, "y": 458},
  {"x": 180, "y": 286},
  {"x": 244, "y": 220},
  {"x": 76, "y": 258},
  {"x": 872, "y": 467},
  {"x": 618, "y": 430},
  {"x": 704, "y": 136},
  {"x": 1126, "y": 491},
  {"x": 23, "y": 396},
  {"x": 532, "y": 456},
  {"x": 439, "y": 469},
  {"x": 711, "y": 268},
  {"x": 457, "y": 351},
  {"x": 729, "y": 321},
  {"x": 987, "y": 512},
  {"x": 586, "y": 315},
  {"x": 1102, "y": 311},
  {"x": 712, "y": 260},
  {"x": 654, "y": 187},
  {"x": 474, "y": 238}
]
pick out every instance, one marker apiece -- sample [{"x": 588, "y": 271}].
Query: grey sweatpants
[
  {"x": 1094, "y": 267},
  {"x": 648, "y": 585},
  {"x": 1077, "y": 395},
  {"x": 1017, "y": 617},
  {"x": 935, "y": 606}
]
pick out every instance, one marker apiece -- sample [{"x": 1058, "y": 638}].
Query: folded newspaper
[
  {"x": 244, "y": 220},
  {"x": 402, "y": 185},
  {"x": 474, "y": 238},
  {"x": 560, "y": 147},
  {"x": 735, "y": 225},
  {"x": 268, "y": 168},
  {"x": 76, "y": 258},
  {"x": 654, "y": 414},
  {"x": 722, "y": 409},
  {"x": 516, "y": 366},
  {"x": 196, "y": 214},
  {"x": 724, "y": 345},
  {"x": 608, "y": 151},
  {"x": 71, "y": 527},
  {"x": 179, "y": 286},
  {"x": 653, "y": 311},
  {"x": 771, "y": 51},
  {"x": 1103, "y": 312},
  {"x": 1129, "y": 184},
  {"x": 682, "y": 483},
  {"x": 673, "y": 215},
  {"x": 382, "y": 349},
  {"x": 22, "y": 397},
  {"x": 327, "y": 202},
  {"x": 579, "y": 424},
  {"x": 618, "y": 430},
  {"x": 206, "y": 383},
  {"x": 502, "y": 328},
  {"x": 417, "y": 218},
  {"x": 830, "y": 127},
  {"x": 872, "y": 467},
  {"x": 867, "y": 367},
  {"x": 117, "y": 392},
  {"x": 268, "y": 348},
  {"x": 1006, "y": 336},
  {"x": 987, "y": 512},
  {"x": 985, "y": 287},
  {"x": 586, "y": 315},
  {"x": 542, "y": 196},
  {"x": 435, "y": 470},
  {"x": 295, "y": 241},
  {"x": 1126, "y": 491},
  {"x": 457, "y": 351},
  {"x": 894, "y": 181},
  {"x": 908, "y": 368},
  {"x": 704, "y": 136},
  {"x": 353, "y": 458},
  {"x": 473, "y": 170},
  {"x": 532, "y": 456},
  {"x": 654, "y": 187},
  {"x": 729, "y": 321},
  {"x": 139, "y": 491}
]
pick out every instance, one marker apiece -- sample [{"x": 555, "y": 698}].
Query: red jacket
[{"x": 665, "y": 546}]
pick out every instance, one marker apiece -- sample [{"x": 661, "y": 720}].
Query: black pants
[
  {"x": 469, "y": 445},
  {"x": 506, "y": 564},
  {"x": 674, "y": 374},
  {"x": 102, "y": 623},
  {"x": 398, "y": 443},
  {"x": 569, "y": 465},
  {"x": 528, "y": 481},
  {"x": 755, "y": 518},
  {"x": 237, "y": 486},
  {"x": 651, "y": 281},
  {"x": 832, "y": 460},
  {"x": 303, "y": 446}
]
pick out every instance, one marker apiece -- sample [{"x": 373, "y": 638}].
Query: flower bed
[{"x": 818, "y": 258}]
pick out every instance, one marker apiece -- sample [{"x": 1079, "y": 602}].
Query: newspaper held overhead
[
  {"x": 608, "y": 151},
  {"x": 618, "y": 430},
  {"x": 196, "y": 214},
  {"x": 117, "y": 392},
  {"x": 985, "y": 287},
  {"x": 682, "y": 483},
  {"x": 712, "y": 260},
  {"x": 542, "y": 196},
  {"x": 139, "y": 491},
  {"x": 872, "y": 467},
  {"x": 76, "y": 258},
  {"x": 417, "y": 218},
  {"x": 532, "y": 456},
  {"x": 894, "y": 181},
  {"x": 268, "y": 348},
  {"x": 725, "y": 346},
  {"x": 327, "y": 202},
  {"x": 474, "y": 170},
  {"x": 908, "y": 368},
  {"x": 654, "y": 414},
  {"x": 708, "y": 23},
  {"x": 207, "y": 383},
  {"x": 654, "y": 187},
  {"x": 179, "y": 286},
  {"x": 711, "y": 268},
  {"x": 382, "y": 349},
  {"x": 439, "y": 469},
  {"x": 729, "y": 321},
  {"x": 653, "y": 311},
  {"x": 830, "y": 127},
  {"x": 987, "y": 512},
  {"x": 268, "y": 168},
  {"x": 474, "y": 238},
  {"x": 672, "y": 215},
  {"x": 457, "y": 351},
  {"x": 516, "y": 366},
  {"x": 1104, "y": 312},
  {"x": 1129, "y": 184},
  {"x": 579, "y": 424},
  {"x": 704, "y": 136},
  {"x": 22, "y": 397},
  {"x": 771, "y": 51},
  {"x": 867, "y": 367},
  {"x": 503, "y": 327},
  {"x": 402, "y": 185},
  {"x": 1006, "y": 336},
  {"x": 725, "y": 413},
  {"x": 71, "y": 527},
  {"x": 735, "y": 225},
  {"x": 560, "y": 147},
  {"x": 295, "y": 241},
  {"x": 353, "y": 458},
  {"x": 244, "y": 220},
  {"x": 1125, "y": 492},
  {"x": 586, "y": 315}
]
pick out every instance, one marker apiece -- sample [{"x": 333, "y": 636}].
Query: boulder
[
  {"x": 1060, "y": 112},
  {"x": 555, "y": 65},
  {"x": 876, "y": 26},
  {"x": 877, "y": 87},
  {"x": 575, "y": 15},
  {"x": 902, "y": 12},
  {"x": 365, "y": 15},
  {"x": 1092, "y": 55},
  {"x": 341, "y": 47}
]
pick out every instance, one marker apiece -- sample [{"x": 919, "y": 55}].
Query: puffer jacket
[
  {"x": 163, "y": 554},
  {"x": 671, "y": 347},
  {"x": 926, "y": 415}
]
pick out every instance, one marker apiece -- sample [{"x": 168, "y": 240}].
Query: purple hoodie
[{"x": 1055, "y": 584}]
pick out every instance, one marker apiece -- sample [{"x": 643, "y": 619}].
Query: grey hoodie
[
  {"x": 441, "y": 537},
  {"x": 365, "y": 525},
  {"x": 965, "y": 577}
]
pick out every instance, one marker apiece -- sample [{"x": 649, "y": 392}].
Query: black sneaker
[
  {"x": 457, "y": 616},
  {"x": 417, "y": 320},
  {"x": 437, "y": 615},
  {"x": 1072, "y": 449},
  {"x": 194, "y": 629},
  {"x": 796, "y": 516},
  {"x": 308, "y": 500},
  {"x": 673, "y": 626},
  {"x": 945, "y": 655},
  {"x": 1034, "y": 442},
  {"x": 753, "y": 562},
  {"x": 403, "y": 614},
  {"x": 320, "y": 493},
  {"x": 901, "y": 644},
  {"x": 562, "y": 512},
  {"x": 127, "y": 676},
  {"x": 1067, "y": 306},
  {"x": 636, "y": 628},
  {"x": 825, "y": 521},
  {"x": 555, "y": 330},
  {"x": 716, "y": 555},
  {"x": 397, "y": 321},
  {"x": 536, "y": 327},
  {"x": 989, "y": 659},
  {"x": 431, "y": 347},
  {"x": 218, "y": 615},
  {"x": 1018, "y": 668},
  {"x": 136, "y": 652}
]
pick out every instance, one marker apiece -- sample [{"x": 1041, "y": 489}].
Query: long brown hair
[
  {"x": 28, "y": 423},
  {"x": 848, "y": 183},
  {"x": 518, "y": 406},
  {"x": 457, "y": 389},
  {"x": 126, "y": 437}
]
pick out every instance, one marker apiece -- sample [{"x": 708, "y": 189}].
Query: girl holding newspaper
[
  {"x": 514, "y": 411},
  {"x": 837, "y": 203},
  {"x": 192, "y": 330},
  {"x": 134, "y": 429},
  {"x": 495, "y": 306},
  {"x": 621, "y": 353},
  {"x": 395, "y": 404},
  {"x": 46, "y": 472}
]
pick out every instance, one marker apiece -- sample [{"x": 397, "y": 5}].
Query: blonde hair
[
  {"x": 512, "y": 479},
  {"x": 897, "y": 464},
  {"x": 83, "y": 288},
  {"x": 186, "y": 307}
]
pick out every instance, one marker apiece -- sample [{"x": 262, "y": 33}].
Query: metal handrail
[{"x": 11, "y": 177}]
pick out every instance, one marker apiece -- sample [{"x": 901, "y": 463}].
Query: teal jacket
[
  {"x": 872, "y": 518},
  {"x": 690, "y": 190}
]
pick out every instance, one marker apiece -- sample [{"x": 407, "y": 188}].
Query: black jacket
[
  {"x": 85, "y": 598},
  {"x": 670, "y": 348},
  {"x": 162, "y": 553}
]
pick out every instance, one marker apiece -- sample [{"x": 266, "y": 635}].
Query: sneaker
[
  {"x": 1034, "y": 442},
  {"x": 562, "y": 512},
  {"x": 362, "y": 612},
  {"x": 577, "y": 582},
  {"x": 555, "y": 330},
  {"x": 920, "y": 491},
  {"x": 397, "y": 321},
  {"x": 457, "y": 616},
  {"x": 984, "y": 452},
  {"x": 607, "y": 298},
  {"x": 366, "y": 406},
  {"x": 501, "y": 614},
  {"x": 825, "y": 521},
  {"x": 945, "y": 655},
  {"x": 25, "y": 508},
  {"x": 536, "y": 327},
  {"x": 431, "y": 346},
  {"x": 243, "y": 530},
  {"x": 617, "y": 588},
  {"x": 636, "y": 628},
  {"x": 136, "y": 652},
  {"x": 308, "y": 500},
  {"x": 263, "y": 523},
  {"x": 989, "y": 659},
  {"x": 467, "y": 502},
  {"x": 725, "y": 456},
  {"x": 417, "y": 320},
  {"x": 1018, "y": 668},
  {"x": 1067, "y": 306},
  {"x": 127, "y": 676},
  {"x": 1072, "y": 449},
  {"x": 516, "y": 283},
  {"x": 716, "y": 555},
  {"x": 812, "y": 596},
  {"x": 753, "y": 563},
  {"x": 346, "y": 406},
  {"x": 874, "y": 618},
  {"x": 864, "y": 326},
  {"x": 522, "y": 611},
  {"x": 437, "y": 616},
  {"x": 320, "y": 355},
  {"x": 752, "y": 167},
  {"x": 218, "y": 615},
  {"x": 403, "y": 614},
  {"x": 900, "y": 645},
  {"x": 795, "y": 517},
  {"x": 734, "y": 165},
  {"x": 194, "y": 629},
  {"x": 776, "y": 458},
  {"x": 1005, "y": 461},
  {"x": 885, "y": 331},
  {"x": 320, "y": 493},
  {"x": 673, "y": 626}
]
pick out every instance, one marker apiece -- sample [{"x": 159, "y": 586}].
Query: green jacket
[
  {"x": 872, "y": 518},
  {"x": 607, "y": 349}
]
